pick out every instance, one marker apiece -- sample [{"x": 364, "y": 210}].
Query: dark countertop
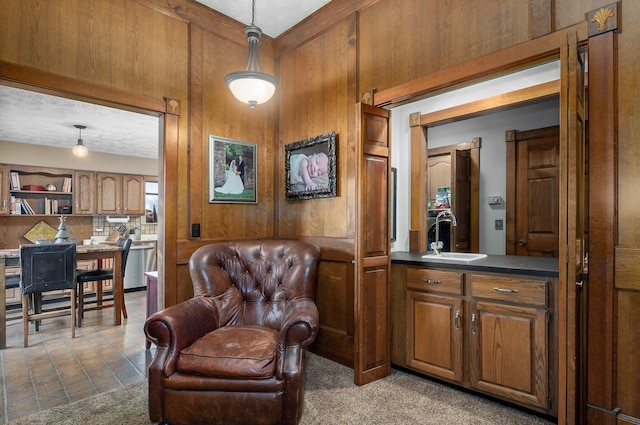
[{"x": 532, "y": 266}]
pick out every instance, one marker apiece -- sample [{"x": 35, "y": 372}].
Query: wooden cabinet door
[
  {"x": 373, "y": 247},
  {"x": 434, "y": 334},
  {"x": 4, "y": 189},
  {"x": 84, "y": 193},
  {"x": 109, "y": 188},
  {"x": 132, "y": 194},
  {"x": 509, "y": 352}
]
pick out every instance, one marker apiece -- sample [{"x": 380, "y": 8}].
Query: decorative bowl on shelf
[{"x": 51, "y": 188}]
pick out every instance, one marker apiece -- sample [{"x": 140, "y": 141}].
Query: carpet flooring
[{"x": 330, "y": 398}]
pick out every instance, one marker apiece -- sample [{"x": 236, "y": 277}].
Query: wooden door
[
  {"x": 573, "y": 194},
  {"x": 533, "y": 176},
  {"x": 109, "y": 193},
  {"x": 439, "y": 174},
  {"x": 373, "y": 246},
  {"x": 84, "y": 193},
  {"x": 434, "y": 334},
  {"x": 132, "y": 194},
  {"x": 461, "y": 199}
]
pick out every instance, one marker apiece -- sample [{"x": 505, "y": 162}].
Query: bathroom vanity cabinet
[{"x": 488, "y": 329}]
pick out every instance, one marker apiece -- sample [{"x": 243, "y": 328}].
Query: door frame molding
[{"x": 167, "y": 109}]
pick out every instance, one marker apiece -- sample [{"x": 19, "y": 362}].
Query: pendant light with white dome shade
[{"x": 252, "y": 86}]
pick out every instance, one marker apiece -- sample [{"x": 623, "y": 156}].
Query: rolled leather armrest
[
  {"x": 300, "y": 322},
  {"x": 179, "y": 326}
]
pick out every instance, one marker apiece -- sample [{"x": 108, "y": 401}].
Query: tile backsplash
[{"x": 103, "y": 228}]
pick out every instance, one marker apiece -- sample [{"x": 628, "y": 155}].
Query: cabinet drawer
[
  {"x": 520, "y": 290},
  {"x": 434, "y": 280}
]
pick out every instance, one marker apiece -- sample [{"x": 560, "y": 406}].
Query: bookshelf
[{"x": 38, "y": 191}]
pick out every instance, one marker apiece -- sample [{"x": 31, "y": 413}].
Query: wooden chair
[
  {"x": 99, "y": 275},
  {"x": 45, "y": 268}
]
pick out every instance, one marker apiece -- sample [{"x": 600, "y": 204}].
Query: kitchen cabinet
[
  {"x": 490, "y": 332},
  {"x": 84, "y": 193},
  {"x": 120, "y": 194},
  {"x": 77, "y": 192}
]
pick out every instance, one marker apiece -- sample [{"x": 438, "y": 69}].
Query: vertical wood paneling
[
  {"x": 628, "y": 367},
  {"x": 197, "y": 145},
  {"x": 223, "y": 115},
  {"x": 602, "y": 222},
  {"x": 116, "y": 43},
  {"x": 402, "y": 40},
  {"x": 315, "y": 99},
  {"x": 628, "y": 105}
]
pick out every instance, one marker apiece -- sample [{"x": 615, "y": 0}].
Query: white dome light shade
[
  {"x": 80, "y": 150},
  {"x": 251, "y": 87}
]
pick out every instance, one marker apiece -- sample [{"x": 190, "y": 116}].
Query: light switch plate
[{"x": 499, "y": 224}]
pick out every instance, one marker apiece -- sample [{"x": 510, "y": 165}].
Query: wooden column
[
  {"x": 418, "y": 230},
  {"x": 601, "y": 402}
]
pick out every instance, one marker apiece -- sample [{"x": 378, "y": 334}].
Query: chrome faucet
[{"x": 437, "y": 245}]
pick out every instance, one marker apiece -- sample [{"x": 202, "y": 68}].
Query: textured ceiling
[
  {"x": 272, "y": 16},
  {"x": 40, "y": 119}
]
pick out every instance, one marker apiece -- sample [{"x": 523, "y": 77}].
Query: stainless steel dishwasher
[{"x": 142, "y": 258}]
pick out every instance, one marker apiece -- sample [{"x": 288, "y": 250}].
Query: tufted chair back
[{"x": 251, "y": 282}]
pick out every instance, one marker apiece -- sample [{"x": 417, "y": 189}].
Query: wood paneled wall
[
  {"x": 318, "y": 96},
  {"x": 182, "y": 50}
]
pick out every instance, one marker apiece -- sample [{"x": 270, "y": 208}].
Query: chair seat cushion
[
  {"x": 237, "y": 351},
  {"x": 96, "y": 274}
]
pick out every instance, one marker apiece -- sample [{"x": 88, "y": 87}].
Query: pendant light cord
[{"x": 253, "y": 11}]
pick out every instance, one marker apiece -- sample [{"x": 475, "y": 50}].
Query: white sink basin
[{"x": 459, "y": 257}]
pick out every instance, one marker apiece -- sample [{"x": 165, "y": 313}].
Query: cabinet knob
[
  {"x": 456, "y": 320},
  {"x": 432, "y": 281},
  {"x": 522, "y": 242},
  {"x": 473, "y": 323}
]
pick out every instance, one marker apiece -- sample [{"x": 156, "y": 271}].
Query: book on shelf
[
  {"x": 15, "y": 180},
  {"x": 17, "y": 208},
  {"x": 26, "y": 207},
  {"x": 66, "y": 185}
]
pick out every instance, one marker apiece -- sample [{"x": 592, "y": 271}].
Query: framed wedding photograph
[
  {"x": 233, "y": 176},
  {"x": 310, "y": 168}
]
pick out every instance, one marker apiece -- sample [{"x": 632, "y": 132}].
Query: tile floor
[{"x": 56, "y": 369}]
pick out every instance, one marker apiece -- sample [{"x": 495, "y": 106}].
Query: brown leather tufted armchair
[{"x": 234, "y": 354}]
